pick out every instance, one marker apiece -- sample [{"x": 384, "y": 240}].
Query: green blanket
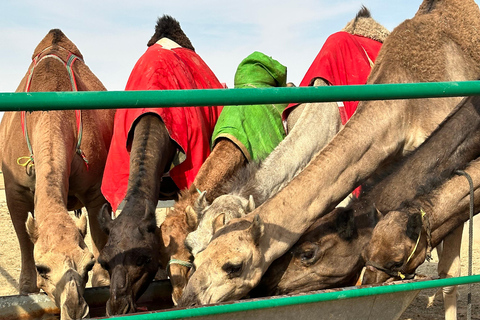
[{"x": 255, "y": 129}]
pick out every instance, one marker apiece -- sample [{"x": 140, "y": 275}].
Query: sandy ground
[{"x": 419, "y": 309}]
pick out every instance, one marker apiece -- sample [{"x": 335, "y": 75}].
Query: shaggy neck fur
[{"x": 364, "y": 25}]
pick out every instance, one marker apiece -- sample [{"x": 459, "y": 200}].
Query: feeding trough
[{"x": 385, "y": 301}]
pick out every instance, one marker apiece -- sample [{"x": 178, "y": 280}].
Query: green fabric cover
[{"x": 255, "y": 129}]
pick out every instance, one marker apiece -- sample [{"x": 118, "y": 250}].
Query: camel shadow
[{"x": 4, "y": 273}]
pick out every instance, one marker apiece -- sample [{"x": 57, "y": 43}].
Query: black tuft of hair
[
  {"x": 168, "y": 27},
  {"x": 363, "y": 13}
]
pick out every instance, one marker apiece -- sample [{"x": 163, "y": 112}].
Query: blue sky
[{"x": 112, "y": 35}]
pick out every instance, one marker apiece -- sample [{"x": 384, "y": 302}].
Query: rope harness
[
  {"x": 28, "y": 161},
  {"x": 179, "y": 262}
]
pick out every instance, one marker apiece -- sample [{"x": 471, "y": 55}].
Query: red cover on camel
[
  {"x": 342, "y": 60},
  {"x": 190, "y": 127}
]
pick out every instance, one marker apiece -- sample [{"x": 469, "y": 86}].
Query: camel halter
[
  {"x": 179, "y": 262},
  {"x": 28, "y": 160},
  {"x": 400, "y": 274}
]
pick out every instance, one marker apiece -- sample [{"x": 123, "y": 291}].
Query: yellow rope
[
  {"x": 401, "y": 275},
  {"x": 28, "y": 161}
]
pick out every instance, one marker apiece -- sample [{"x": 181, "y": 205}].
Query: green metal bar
[
  {"x": 349, "y": 292},
  {"x": 174, "y": 98}
]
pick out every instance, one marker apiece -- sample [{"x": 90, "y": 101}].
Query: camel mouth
[
  {"x": 373, "y": 275},
  {"x": 120, "y": 306}
]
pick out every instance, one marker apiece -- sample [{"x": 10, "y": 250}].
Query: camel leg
[
  {"x": 19, "y": 209},
  {"x": 449, "y": 266}
]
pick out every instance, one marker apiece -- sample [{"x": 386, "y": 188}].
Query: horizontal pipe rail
[
  {"x": 33, "y": 101},
  {"x": 349, "y": 292}
]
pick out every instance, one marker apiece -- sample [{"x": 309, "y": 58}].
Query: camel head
[
  {"x": 62, "y": 261},
  {"x": 174, "y": 254},
  {"x": 131, "y": 254},
  {"x": 392, "y": 252},
  {"x": 328, "y": 255},
  {"x": 213, "y": 216},
  {"x": 227, "y": 269}
]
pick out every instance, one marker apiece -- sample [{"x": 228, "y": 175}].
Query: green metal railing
[{"x": 175, "y": 98}]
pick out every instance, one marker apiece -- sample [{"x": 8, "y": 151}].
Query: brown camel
[
  {"x": 156, "y": 139},
  {"x": 55, "y": 165},
  {"x": 438, "y": 44},
  {"x": 236, "y": 141},
  {"x": 410, "y": 232},
  {"x": 329, "y": 254}
]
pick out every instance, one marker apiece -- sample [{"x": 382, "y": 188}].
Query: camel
[
  {"x": 329, "y": 254},
  {"x": 235, "y": 143},
  {"x": 145, "y": 145},
  {"x": 419, "y": 225},
  {"x": 53, "y": 166},
  {"x": 437, "y": 44},
  {"x": 359, "y": 42}
]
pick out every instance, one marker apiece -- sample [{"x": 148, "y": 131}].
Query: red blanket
[
  {"x": 342, "y": 60},
  {"x": 190, "y": 127}
]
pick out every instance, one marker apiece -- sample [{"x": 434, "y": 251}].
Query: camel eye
[
  {"x": 307, "y": 255},
  {"x": 43, "y": 271},
  {"x": 232, "y": 269},
  {"x": 392, "y": 265}
]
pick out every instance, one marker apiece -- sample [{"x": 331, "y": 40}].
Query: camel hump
[
  {"x": 58, "y": 38},
  {"x": 168, "y": 27}
]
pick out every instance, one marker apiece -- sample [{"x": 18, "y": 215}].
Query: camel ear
[
  {"x": 218, "y": 222},
  {"x": 105, "y": 218},
  {"x": 32, "y": 230},
  {"x": 251, "y": 204},
  {"x": 81, "y": 223},
  {"x": 192, "y": 217},
  {"x": 201, "y": 203},
  {"x": 257, "y": 229},
  {"x": 378, "y": 214}
]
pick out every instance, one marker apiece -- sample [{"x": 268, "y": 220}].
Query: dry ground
[{"x": 419, "y": 309}]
